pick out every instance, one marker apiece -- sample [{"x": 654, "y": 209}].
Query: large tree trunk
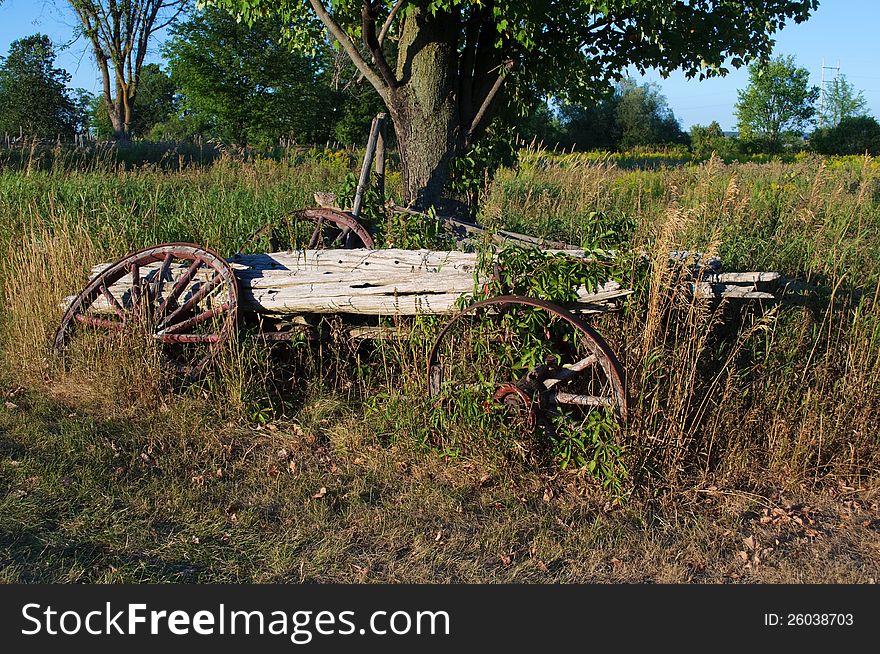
[
  {"x": 424, "y": 106},
  {"x": 116, "y": 121},
  {"x": 444, "y": 90},
  {"x": 119, "y": 110}
]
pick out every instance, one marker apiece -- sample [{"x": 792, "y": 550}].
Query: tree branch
[
  {"x": 181, "y": 7},
  {"x": 466, "y": 67},
  {"x": 345, "y": 41},
  {"x": 487, "y": 101},
  {"x": 388, "y": 21},
  {"x": 368, "y": 29}
]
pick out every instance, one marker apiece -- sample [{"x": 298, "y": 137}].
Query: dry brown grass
[{"x": 753, "y": 452}]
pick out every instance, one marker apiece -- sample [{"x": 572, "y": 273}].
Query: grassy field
[{"x": 752, "y": 454}]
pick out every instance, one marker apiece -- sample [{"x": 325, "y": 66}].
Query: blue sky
[{"x": 844, "y": 31}]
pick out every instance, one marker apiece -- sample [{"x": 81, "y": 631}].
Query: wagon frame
[{"x": 187, "y": 297}]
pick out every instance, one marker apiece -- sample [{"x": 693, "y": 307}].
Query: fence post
[
  {"x": 380, "y": 159},
  {"x": 369, "y": 153}
]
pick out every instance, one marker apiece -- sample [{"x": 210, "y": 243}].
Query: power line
[{"x": 822, "y": 92}]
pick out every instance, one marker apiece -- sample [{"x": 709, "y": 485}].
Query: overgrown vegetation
[{"x": 329, "y": 464}]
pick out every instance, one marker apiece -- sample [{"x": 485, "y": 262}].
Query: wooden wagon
[{"x": 541, "y": 358}]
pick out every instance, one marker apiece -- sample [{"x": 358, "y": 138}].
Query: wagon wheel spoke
[
  {"x": 568, "y": 371},
  {"x": 195, "y": 320},
  {"x": 113, "y": 302},
  {"x": 105, "y": 323},
  {"x": 333, "y": 229},
  {"x": 316, "y": 234},
  {"x": 194, "y": 300},
  {"x": 583, "y": 400},
  {"x": 159, "y": 282},
  {"x": 170, "y": 302},
  {"x": 342, "y": 238}
]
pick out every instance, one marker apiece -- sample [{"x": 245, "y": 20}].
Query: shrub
[{"x": 856, "y": 135}]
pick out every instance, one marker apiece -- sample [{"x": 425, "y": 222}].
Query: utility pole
[{"x": 822, "y": 89}]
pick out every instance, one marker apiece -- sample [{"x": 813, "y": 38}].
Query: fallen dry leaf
[{"x": 321, "y": 493}]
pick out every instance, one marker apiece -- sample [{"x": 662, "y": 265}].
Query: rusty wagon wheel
[
  {"x": 181, "y": 294},
  {"x": 530, "y": 356},
  {"x": 336, "y": 229},
  {"x": 313, "y": 229}
]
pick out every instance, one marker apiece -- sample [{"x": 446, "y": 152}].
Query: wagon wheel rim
[
  {"x": 574, "y": 371},
  {"x": 182, "y": 295},
  {"x": 329, "y": 228}
]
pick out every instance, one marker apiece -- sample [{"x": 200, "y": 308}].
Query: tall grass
[{"x": 791, "y": 392}]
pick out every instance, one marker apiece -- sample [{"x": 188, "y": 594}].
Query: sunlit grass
[{"x": 217, "y": 477}]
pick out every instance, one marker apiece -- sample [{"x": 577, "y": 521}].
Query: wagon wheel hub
[{"x": 520, "y": 399}]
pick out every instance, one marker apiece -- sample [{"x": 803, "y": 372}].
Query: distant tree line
[
  {"x": 777, "y": 110},
  {"x": 223, "y": 79},
  {"x": 34, "y": 97},
  {"x": 238, "y": 83},
  {"x": 631, "y": 116}
]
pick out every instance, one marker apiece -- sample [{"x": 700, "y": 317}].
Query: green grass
[{"x": 744, "y": 418}]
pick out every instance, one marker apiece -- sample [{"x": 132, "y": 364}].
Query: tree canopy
[
  {"x": 155, "y": 106},
  {"x": 707, "y": 140},
  {"x": 34, "y": 98},
  {"x": 242, "y": 84},
  {"x": 853, "y": 135},
  {"x": 119, "y": 32},
  {"x": 445, "y": 67},
  {"x": 842, "y": 101},
  {"x": 633, "y": 115},
  {"x": 777, "y": 103}
]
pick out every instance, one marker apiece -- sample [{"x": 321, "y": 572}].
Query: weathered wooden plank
[
  {"x": 388, "y": 282},
  {"x": 708, "y": 290},
  {"x": 742, "y": 277},
  {"x": 384, "y": 282}
]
